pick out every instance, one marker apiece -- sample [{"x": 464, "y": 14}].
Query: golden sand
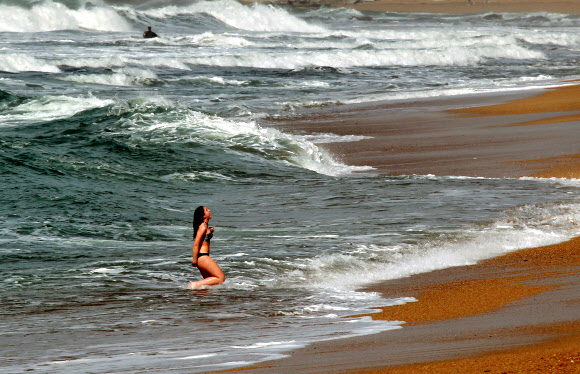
[
  {"x": 495, "y": 288},
  {"x": 492, "y": 291},
  {"x": 560, "y": 355},
  {"x": 558, "y": 99}
]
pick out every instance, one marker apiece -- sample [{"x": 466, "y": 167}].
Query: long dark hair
[{"x": 197, "y": 219}]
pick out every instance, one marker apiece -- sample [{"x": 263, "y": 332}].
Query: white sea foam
[
  {"x": 572, "y": 182},
  {"x": 282, "y": 344},
  {"x": 451, "y": 56},
  {"x": 484, "y": 87},
  {"x": 307, "y": 84},
  {"x": 550, "y": 37},
  {"x": 272, "y": 143},
  {"x": 48, "y": 15},
  {"x": 106, "y": 271},
  {"x": 119, "y": 77},
  {"x": 333, "y": 138},
  {"x": 338, "y": 275},
  {"x": 48, "y": 108},
  {"x": 525, "y": 227},
  {"x": 121, "y": 61},
  {"x": 193, "y": 177},
  {"x": 219, "y": 81},
  {"x": 197, "y": 357},
  {"x": 256, "y": 17},
  {"x": 210, "y": 39},
  {"x": 18, "y": 62}
]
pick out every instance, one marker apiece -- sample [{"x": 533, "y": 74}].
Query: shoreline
[
  {"x": 497, "y": 135},
  {"x": 519, "y": 311},
  {"x": 534, "y": 329},
  {"x": 528, "y": 276}
]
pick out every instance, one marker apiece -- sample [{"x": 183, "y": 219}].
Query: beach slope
[{"x": 516, "y": 313}]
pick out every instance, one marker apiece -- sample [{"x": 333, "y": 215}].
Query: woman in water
[{"x": 202, "y": 234}]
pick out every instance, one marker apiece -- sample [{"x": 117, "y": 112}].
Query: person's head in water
[
  {"x": 149, "y": 33},
  {"x": 198, "y": 217}
]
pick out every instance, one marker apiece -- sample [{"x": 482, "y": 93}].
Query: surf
[{"x": 51, "y": 15}]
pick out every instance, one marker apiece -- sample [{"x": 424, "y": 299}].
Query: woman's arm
[{"x": 197, "y": 242}]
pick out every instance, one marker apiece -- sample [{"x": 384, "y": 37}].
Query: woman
[{"x": 202, "y": 234}]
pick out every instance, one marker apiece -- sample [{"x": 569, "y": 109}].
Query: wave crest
[
  {"x": 256, "y": 17},
  {"x": 49, "y": 15}
]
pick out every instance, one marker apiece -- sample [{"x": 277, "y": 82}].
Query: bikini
[{"x": 206, "y": 238}]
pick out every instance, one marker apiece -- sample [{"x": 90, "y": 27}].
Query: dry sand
[{"x": 519, "y": 313}]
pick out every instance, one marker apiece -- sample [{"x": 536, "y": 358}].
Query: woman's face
[{"x": 206, "y": 213}]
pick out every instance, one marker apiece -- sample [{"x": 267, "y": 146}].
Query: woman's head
[{"x": 199, "y": 215}]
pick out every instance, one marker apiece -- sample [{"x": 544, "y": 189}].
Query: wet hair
[{"x": 197, "y": 219}]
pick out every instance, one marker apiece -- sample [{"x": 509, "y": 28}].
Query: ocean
[{"x": 108, "y": 142}]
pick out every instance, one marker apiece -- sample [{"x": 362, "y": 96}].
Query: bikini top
[{"x": 208, "y": 237}]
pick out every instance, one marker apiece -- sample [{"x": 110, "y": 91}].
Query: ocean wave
[
  {"x": 183, "y": 125},
  {"x": 450, "y": 56},
  {"x": 550, "y": 38},
  {"x": 210, "y": 39},
  {"x": 540, "y": 18},
  {"x": 504, "y": 85},
  {"x": 20, "y": 62},
  {"x": 154, "y": 123},
  {"x": 121, "y": 61},
  {"x": 49, "y": 108},
  {"x": 256, "y": 17},
  {"x": 525, "y": 227},
  {"x": 120, "y": 77},
  {"x": 49, "y": 15},
  {"x": 215, "y": 81}
]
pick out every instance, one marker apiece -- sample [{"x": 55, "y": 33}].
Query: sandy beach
[
  {"x": 330, "y": 146},
  {"x": 515, "y": 134},
  {"x": 516, "y": 313}
]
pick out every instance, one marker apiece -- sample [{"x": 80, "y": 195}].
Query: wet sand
[
  {"x": 516, "y": 313},
  {"x": 519, "y": 313},
  {"x": 499, "y": 136},
  {"x": 518, "y": 290}
]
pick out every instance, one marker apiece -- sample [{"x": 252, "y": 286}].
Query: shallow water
[{"x": 108, "y": 142}]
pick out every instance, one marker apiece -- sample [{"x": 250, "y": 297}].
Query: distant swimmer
[
  {"x": 149, "y": 34},
  {"x": 202, "y": 234}
]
